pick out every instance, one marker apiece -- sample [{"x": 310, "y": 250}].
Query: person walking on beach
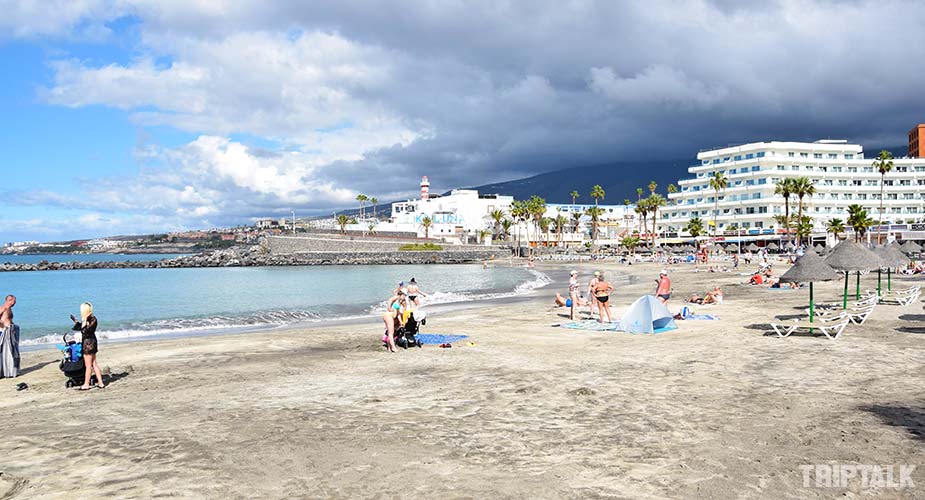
[
  {"x": 87, "y": 328},
  {"x": 9, "y": 340},
  {"x": 601, "y": 292},
  {"x": 592, "y": 301},
  {"x": 663, "y": 291},
  {"x": 392, "y": 318}
]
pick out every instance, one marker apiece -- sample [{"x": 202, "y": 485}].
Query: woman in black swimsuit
[
  {"x": 602, "y": 291},
  {"x": 87, "y": 328}
]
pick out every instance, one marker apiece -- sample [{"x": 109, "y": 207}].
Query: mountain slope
[{"x": 619, "y": 180}]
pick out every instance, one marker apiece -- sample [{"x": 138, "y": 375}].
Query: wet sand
[{"x": 715, "y": 409}]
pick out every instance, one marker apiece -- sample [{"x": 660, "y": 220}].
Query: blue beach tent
[{"x": 647, "y": 315}]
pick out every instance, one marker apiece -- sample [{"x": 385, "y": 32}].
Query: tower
[{"x": 425, "y": 187}]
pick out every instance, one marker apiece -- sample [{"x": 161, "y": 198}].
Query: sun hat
[
  {"x": 597, "y": 273},
  {"x": 573, "y": 273},
  {"x": 664, "y": 272}
]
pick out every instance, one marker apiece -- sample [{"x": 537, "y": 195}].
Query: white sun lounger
[
  {"x": 857, "y": 315},
  {"x": 901, "y": 297},
  {"x": 831, "y": 326}
]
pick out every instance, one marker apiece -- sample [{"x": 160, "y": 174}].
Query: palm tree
[
  {"x": 374, "y": 201},
  {"x": 576, "y": 220},
  {"x": 694, "y": 226},
  {"x": 630, "y": 242},
  {"x": 784, "y": 187},
  {"x": 597, "y": 192},
  {"x": 859, "y": 221},
  {"x": 372, "y": 226},
  {"x": 802, "y": 187},
  {"x": 544, "y": 225},
  {"x": 672, "y": 189},
  {"x": 883, "y": 163},
  {"x": 496, "y": 215},
  {"x": 342, "y": 221},
  {"x": 804, "y": 227},
  {"x": 482, "y": 234},
  {"x": 426, "y": 223},
  {"x": 574, "y": 195},
  {"x": 519, "y": 213},
  {"x": 561, "y": 222},
  {"x": 362, "y": 199},
  {"x": 506, "y": 228},
  {"x": 835, "y": 226},
  {"x": 536, "y": 207},
  {"x": 655, "y": 202},
  {"x": 595, "y": 214},
  {"x": 642, "y": 208},
  {"x": 626, "y": 206},
  {"x": 718, "y": 182},
  {"x": 652, "y": 186}
]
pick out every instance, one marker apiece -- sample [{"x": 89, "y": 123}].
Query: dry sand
[{"x": 715, "y": 409}]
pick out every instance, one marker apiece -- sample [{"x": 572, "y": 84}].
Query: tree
[
  {"x": 694, "y": 227},
  {"x": 544, "y": 226},
  {"x": 883, "y": 164},
  {"x": 652, "y": 186},
  {"x": 804, "y": 227},
  {"x": 536, "y": 208},
  {"x": 784, "y": 187},
  {"x": 642, "y": 208},
  {"x": 496, "y": 215},
  {"x": 672, "y": 189},
  {"x": 374, "y": 201},
  {"x": 595, "y": 214},
  {"x": 718, "y": 182},
  {"x": 802, "y": 187},
  {"x": 859, "y": 221},
  {"x": 519, "y": 213},
  {"x": 597, "y": 192},
  {"x": 362, "y": 199},
  {"x": 342, "y": 221},
  {"x": 655, "y": 202},
  {"x": 783, "y": 221},
  {"x": 576, "y": 220},
  {"x": 574, "y": 195},
  {"x": 506, "y": 228},
  {"x": 372, "y": 226},
  {"x": 638, "y": 194},
  {"x": 482, "y": 234},
  {"x": 561, "y": 222},
  {"x": 630, "y": 242},
  {"x": 835, "y": 226},
  {"x": 426, "y": 223}
]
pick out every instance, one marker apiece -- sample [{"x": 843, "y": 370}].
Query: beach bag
[{"x": 685, "y": 312}]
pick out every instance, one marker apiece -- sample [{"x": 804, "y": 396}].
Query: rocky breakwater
[{"x": 258, "y": 256}]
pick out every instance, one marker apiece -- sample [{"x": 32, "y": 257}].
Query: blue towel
[
  {"x": 590, "y": 324},
  {"x": 430, "y": 338},
  {"x": 703, "y": 317}
]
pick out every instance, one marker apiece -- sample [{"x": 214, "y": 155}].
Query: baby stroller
[
  {"x": 405, "y": 335},
  {"x": 72, "y": 363}
]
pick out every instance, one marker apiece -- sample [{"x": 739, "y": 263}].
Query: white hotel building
[{"x": 840, "y": 172}]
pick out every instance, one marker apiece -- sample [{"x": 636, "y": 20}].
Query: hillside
[{"x": 619, "y": 181}]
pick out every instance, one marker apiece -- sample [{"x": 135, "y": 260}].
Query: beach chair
[
  {"x": 831, "y": 326},
  {"x": 857, "y": 315},
  {"x": 901, "y": 297}
]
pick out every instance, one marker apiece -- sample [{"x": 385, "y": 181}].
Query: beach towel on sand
[
  {"x": 435, "y": 339},
  {"x": 702, "y": 317},
  {"x": 9, "y": 351},
  {"x": 590, "y": 324}
]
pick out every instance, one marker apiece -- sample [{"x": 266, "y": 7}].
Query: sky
[{"x": 139, "y": 116}]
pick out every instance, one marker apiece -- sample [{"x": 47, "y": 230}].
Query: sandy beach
[{"x": 715, "y": 409}]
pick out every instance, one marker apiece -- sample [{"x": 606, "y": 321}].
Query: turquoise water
[
  {"x": 93, "y": 257},
  {"x": 143, "y": 302}
]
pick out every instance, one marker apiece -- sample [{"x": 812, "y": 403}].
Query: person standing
[
  {"x": 87, "y": 328},
  {"x": 592, "y": 300},
  {"x": 663, "y": 291},
  {"x": 573, "y": 293},
  {"x": 601, "y": 292},
  {"x": 9, "y": 340}
]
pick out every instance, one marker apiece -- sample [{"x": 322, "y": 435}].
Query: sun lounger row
[{"x": 830, "y": 326}]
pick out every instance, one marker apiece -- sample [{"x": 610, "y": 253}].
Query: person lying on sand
[{"x": 564, "y": 302}]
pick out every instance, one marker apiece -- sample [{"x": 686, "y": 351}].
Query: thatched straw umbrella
[
  {"x": 850, "y": 256},
  {"x": 910, "y": 247},
  {"x": 790, "y": 246},
  {"x": 752, "y": 247},
  {"x": 810, "y": 267},
  {"x": 773, "y": 246},
  {"x": 892, "y": 259},
  {"x": 715, "y": 248}
]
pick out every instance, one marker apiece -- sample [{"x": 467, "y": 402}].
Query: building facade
[
  {"x": 746, "y": 209},
  {"x": 917, "y": 141}
]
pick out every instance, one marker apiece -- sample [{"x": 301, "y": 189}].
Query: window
[
  {"x": 902, "y": 169},
  {"x": 781, "y": 167},
  {"x": 848, "y": 196},
  {"x": 834, "y": 196},
  {"x": 750, "y": 210},
  {"x": 823, "y": 169},
  {"x": 887, "y": 182},
  {"x": 794, "y": 167},
  {"x": 836, "y": 169},
  {"x": 862, "y": 196},
  {"x": 920, "y": 168},
  {"x": 705, "y": 162},
  {"x": 827, "y": 182},
  {"x": 762, "y": 181},
  {"x": 791, "y": 154},
  {"x": 762, "y": 210},
  {"x": 852, "y": 169},
  {"x": 756, "y": 168},
  {"x": 855, "y": 182},
  {"x": 842, "y": 182},
  {"x": 849, "y": 156},
  {"x": 871, "y": 182},
  {"x": 868, "y": 169},
  {"x": 833, "y": 156},
  {"x": 905, "y": 182},
  {"x": 891, "y": 196},
  {"x": 908, "y": 196},
  {"x": 716, "y": 161},
  {"x": 809, "y": 167},
  {"x": 726, "y": 159},
  {"x": 760, "y": 154},
  {"x": 804, "y": 155},
  {"x": 750, "y": 182},
  {"x": 817, "y": 155},
  {"x": 749, "y": 156},
  {"x": 756, "y": 196},
  {"x": 738, "y": 157}
]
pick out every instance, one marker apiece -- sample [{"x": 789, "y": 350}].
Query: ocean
[
  {"x": 89, "y": 257},
  {"x": 134, "y": 303}
]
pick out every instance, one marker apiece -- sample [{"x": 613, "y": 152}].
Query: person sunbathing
[
  {"x": 756, "y": 279},
  {"x": 714, "y": 296}
]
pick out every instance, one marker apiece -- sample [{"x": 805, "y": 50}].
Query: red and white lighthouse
[{"x": 425, "y": 187}]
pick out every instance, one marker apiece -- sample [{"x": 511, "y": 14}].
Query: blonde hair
[{"x": 86, "y": 309}]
